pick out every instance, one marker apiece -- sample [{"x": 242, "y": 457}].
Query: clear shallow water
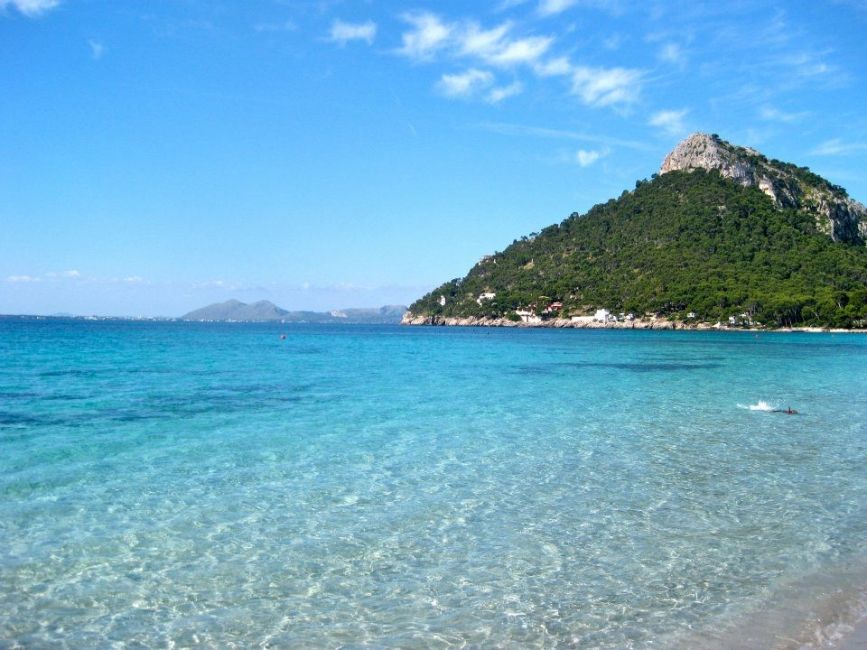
[{"x": 175, "y": 484}]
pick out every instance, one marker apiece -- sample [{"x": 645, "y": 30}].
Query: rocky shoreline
[{"x": 637, "y": 324}]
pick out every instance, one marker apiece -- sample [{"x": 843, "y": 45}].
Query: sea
[{"x": 233, "y": 485}]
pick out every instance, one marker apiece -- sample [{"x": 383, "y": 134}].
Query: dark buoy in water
[{"x": 282, "y": 337}]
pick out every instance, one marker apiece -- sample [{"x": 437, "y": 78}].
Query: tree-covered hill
[{"x": 686, "y": 242}]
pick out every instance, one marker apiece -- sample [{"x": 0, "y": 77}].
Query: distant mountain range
[{"x": 265, "y": 311}]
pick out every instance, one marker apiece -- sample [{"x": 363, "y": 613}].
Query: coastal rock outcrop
[
  {"x": 789, "y": 186},
  {"x": 559, "y": 323}
]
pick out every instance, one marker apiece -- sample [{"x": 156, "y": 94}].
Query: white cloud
[
  {"x": 495, "y": 47},
  {"x": 669, "y": 121},
  {"x": 464, "y": 84},
  {"x": 97, "y": 49},
  {"x": 551, "y": 7},
  {"x": 836, "y": 147},
  {"x": 500, "y": 93},
  {"x": 525, "y": 50},
  {"x": 342, "y": 32},
  {"x": 559, "y": 67},
  {"x": 428, "y": 35},
  {"x": 492, "y": 46},
  {"x": 553, "y": 67},
  {"x": 606, "y": 86},
  {"x": 30, "y": 7},
  {"x": 474, "y": 41},
  {"x": 22, "y": 278},
  {"x": 587, "y": 158},
  {"x": 554, "y": 7}
]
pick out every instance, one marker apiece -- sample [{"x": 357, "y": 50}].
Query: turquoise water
[{"x": 182, "y": 484}]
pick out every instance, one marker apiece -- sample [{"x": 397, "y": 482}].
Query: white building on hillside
[{"x": 528, "y": 316}]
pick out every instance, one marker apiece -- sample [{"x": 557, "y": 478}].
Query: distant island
[
  {"x": 721, "y": 237},
  {"x": 264, "y": 311}
]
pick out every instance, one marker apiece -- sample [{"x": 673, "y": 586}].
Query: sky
[{"x": 159, "y": 156}]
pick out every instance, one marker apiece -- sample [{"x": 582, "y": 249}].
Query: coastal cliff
[{"x": 721, "y": 237}]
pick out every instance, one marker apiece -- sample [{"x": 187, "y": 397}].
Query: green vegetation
[{"x": 682, "y": 242}]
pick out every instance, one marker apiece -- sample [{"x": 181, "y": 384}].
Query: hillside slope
[{"x": 692, "y": 244}]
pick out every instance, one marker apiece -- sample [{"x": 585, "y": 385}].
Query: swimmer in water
[{"x": 787, "y": 411}]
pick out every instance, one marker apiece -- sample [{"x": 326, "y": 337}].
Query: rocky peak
[
  {"x": 788, "y": 186},
  {"x": 702, "y": 151}
]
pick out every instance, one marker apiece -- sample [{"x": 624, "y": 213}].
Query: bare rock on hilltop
[{"x": 789, "y": 186}]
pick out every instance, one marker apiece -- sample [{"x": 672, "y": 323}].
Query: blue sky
[{"x": 157, "y": 156}]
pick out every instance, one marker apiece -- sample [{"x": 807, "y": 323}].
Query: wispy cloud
[
  {"x": 557, "y": 67},
  {"x": 778, "y": 31},
  {"x": 587, "y": 158},
  {"x": 505, "y": 128},
  {"x": 71, "y": 274},
  {"x": 475, "y": 41},
  {"x": 525, "y": 50},
  {"x": 464, "y": 84},
  {"x": 837, "y": 147},
  {"x": 772, "y": 114},
  {"x": 227, "y": 285},
  {"x": 672, "y": 53},
  {"x": 64, "y": 278},
  {"x": 671, "y": 122},
  {"x": 807, "y": 64},
  {"x": 496, "y": 46},
  {"x": 428, "y": 35},
  {"x": 496, "y": 95},
  {"x": 342, "y": 33},
  {"x": 552, "y": 7},
  {"x": 97, "y": 49},
  {"x": 505, "y": 5},
  {"x": 606, "y": 86},
  {"x": 30, "y": 8}
]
